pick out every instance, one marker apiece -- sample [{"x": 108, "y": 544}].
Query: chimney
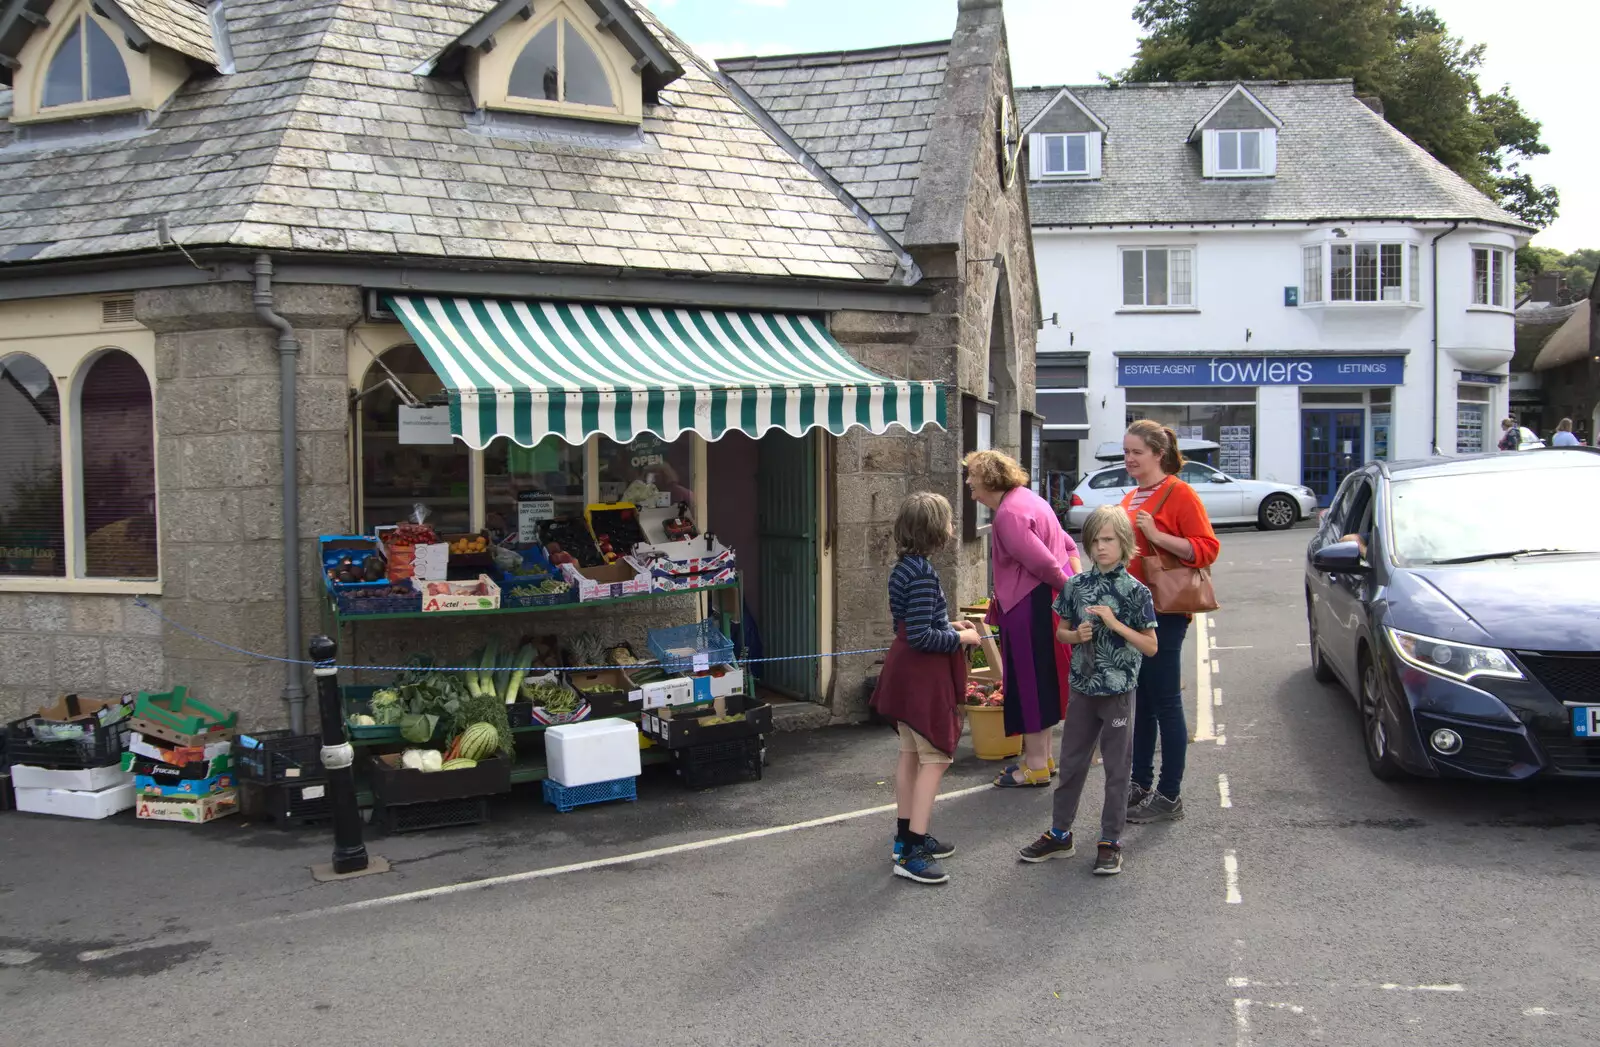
[
  {"x": 1547, "y": 288},
  {"x": 1372, "y": 102}
]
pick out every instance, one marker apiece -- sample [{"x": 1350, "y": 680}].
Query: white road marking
[
  {"x": 1249, "y": 983},
  {"x": 1241, "y": 1022},
  {"x": 1216, "y": 697},
  {"x": 92, "y": 955},
  {"x": 1223, "y": 792},
  {"x": 1202, "y": 678},
  {"x": 17, "y": 957},
  {"x": 1230, "y": 877},
  {"x": 1222, "y": 734},
  {"x": 1214, "y": 647},
  {"x": 1536, "y": 1012},
  {"x": 1391, "y": 987}
]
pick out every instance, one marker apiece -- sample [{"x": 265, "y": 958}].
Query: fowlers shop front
[{"x": 1300, "y": 418}]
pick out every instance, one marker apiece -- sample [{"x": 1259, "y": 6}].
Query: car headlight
[
  {"x": 1308, "y": 492},
  {"x": 1456, "y": 661}
]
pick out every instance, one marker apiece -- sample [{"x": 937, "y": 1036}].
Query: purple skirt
[{"x": 1032, "y": 664}]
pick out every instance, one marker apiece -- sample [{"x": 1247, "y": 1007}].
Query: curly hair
[{"x": 995, "y": 470}]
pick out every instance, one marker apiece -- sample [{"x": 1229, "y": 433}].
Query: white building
[{"x": 1270, "y": 266}]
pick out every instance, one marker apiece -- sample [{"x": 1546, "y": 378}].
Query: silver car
[{"x": 1270, "y": 506}]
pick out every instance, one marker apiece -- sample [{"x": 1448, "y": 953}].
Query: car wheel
[
  {"x": 1321, "y": 671},
  {"x": 1374, "y": 732},
  {"x": 1278, "y": 513}
]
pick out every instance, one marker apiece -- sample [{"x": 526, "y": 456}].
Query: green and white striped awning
[{"x": 531, "y": 369}]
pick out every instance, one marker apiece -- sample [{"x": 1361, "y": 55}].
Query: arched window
[
  {"x": 32, "y": 529},
  {"x": 117, "y": 456},
  {"x": 559, "y": 65},
  {"x": 86, "y": 67}
]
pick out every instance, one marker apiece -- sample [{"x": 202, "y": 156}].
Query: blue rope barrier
[{"x": 140, "y": 602}]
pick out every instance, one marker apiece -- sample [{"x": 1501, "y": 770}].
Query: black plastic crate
[
  {"x": 100, "y": 745},
  {"x": 288, "y": 804},
  {"x": 441, "y": 814},
  {"x": 720, "y": 763},
  {"x": 8, "y": 799},
  {"x": 688, "y": 729},
  {"x": 393, "y": 785},
  {"x": 277, "y": 756}
]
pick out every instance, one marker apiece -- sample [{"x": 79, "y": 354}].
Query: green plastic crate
[{"x": 176, "y": 712}]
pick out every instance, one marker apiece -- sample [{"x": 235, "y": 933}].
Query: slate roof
[
  {"x": 1337, "y": 159},
  {"x": 325, "y": 139},
  {"x": 863, "y": 115},
  {"x": 180, "y": 25}
]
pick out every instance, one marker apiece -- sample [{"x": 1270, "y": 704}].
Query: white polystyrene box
[
  {"x": 91, "y": 780},
  {"x": 592, "y": 751},
  {"x": 72, "y": 803}
]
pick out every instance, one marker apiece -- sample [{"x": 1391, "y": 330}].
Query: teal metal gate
[{"x": 787, "y": 518}]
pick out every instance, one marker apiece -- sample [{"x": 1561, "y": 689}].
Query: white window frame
[
  {"x": 1038, "y": 155},
  {"x": 1267, "y": 154},
  {"x": 69, "y": 359},
  {"x": 1500, "y": 271},
  {"x": 1407, "y": 293},
  {"x": 1193, "y": 302}
]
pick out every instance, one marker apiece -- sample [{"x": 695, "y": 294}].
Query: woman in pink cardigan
[{"x": 1032, "y": 558}]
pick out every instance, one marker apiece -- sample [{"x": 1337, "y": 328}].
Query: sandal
[{"x": 1022, "y": 777}]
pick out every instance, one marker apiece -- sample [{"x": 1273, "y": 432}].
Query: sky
[{"x": 1539, "y": 53}]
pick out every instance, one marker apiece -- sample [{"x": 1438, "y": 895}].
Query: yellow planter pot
[{"x": 989, "y": 739}]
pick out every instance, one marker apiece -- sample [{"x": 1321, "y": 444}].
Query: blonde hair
[
  {"x": 1565, "y": 426},
  {"x": 1162, "y": 441},
  {"x": 1116, "y": 518},
  {"x": 995, "y": 470},
  {"x": 924, "y": 524}
]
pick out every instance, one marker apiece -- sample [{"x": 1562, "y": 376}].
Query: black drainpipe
[
  {"x": 1435, "y": 262},
  {"x": 288, "y": 357}
]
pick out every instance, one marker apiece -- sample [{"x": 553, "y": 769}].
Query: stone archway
[{"x": 1003, "y": 380}]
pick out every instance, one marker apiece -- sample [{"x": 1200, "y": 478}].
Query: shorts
[{"x": 927, "y": 754}]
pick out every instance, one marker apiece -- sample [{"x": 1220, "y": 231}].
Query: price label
[
  {"x": 432, "y": 562},
  {"x": 313, "y": 792},
  {"x": 702, "y": 663}
]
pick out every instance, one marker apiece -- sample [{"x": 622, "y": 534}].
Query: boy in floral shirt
[{"x": 1109, "y": 617}]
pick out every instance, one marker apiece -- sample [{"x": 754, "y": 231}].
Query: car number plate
[{"x": 1586, "y": 721}]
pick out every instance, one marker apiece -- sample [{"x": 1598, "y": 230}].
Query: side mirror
[
  {"x": 1340, "y": 558},
  {"x": 1221, "y": 478}
]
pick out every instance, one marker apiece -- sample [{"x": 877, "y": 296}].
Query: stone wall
[
  {"x": 94, "y": 646},
  {"x": 962, "y": 218},
  {"x": 220, "y": 471}
]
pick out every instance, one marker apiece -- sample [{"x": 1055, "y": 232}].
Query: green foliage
[
  {"x": 1426, "y": 78},
  {"x": 1578, "y": 266}
]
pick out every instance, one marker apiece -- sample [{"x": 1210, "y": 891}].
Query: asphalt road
[{"x": 1306, "y": 903}]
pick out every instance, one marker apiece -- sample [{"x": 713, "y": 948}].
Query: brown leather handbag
[{"x": 1174, "y": 587}]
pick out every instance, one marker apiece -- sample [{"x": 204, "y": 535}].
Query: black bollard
[{"x": 349, "y": 853}]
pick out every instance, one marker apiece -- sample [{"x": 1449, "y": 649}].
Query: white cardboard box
[
  {"x": 71, "y": 803},
  {"x": 90, "y": 780},
  {"x": 592, "y": 751}
]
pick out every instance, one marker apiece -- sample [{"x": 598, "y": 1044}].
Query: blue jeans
[{"x": 1159, "y": 709}]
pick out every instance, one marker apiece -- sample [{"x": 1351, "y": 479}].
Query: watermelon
[
  {"x": 458, "y": 764},
  {"x": 478, "y": 742}
]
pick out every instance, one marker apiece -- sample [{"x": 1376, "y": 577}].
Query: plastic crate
[
  {"x": 8, "y": 799},
  {"x": 678, "y": 646},
  {"x": 276, "y": 756},
  {"x": 566, "y": 797},
  {"x": 287, "y": 804},
  {"x": 721, "y": 763},
  {"x": 99, "y": 746},
  {"x": 543, "y": 600},
  {"x": 346, "y": 599},
  {"x": 442, "y": 814},
  {"x": 179, "y": 713}
]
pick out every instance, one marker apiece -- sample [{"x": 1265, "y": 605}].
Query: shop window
[
  {"x": 32, "y": 526},
  {"x": 1382, "y": 423},
  {"x": 1490, "y": 267},
  {"x": 396, "y": 476},
  {"x": 548, "y": 474},
  {"x": 1157, "y": 277},
  {"x": 648, "y": 469},
  {"x": 87, "y": 67},
  {"x": 977, "y": 434},
  {"x": 117, "y": 463},
  {"x": 1472, "y": 419},
  {"x": 1226, "y": 417}
]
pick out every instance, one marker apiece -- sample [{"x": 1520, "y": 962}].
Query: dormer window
[
  {"x": 87, "y": 67},
  {"x": 559, "y": 65},
  {"x": 1238, "y": 137},
  {"x": 1065, "y": 140}
]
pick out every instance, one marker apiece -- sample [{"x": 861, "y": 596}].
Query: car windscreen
[{"x": 1436, "y": 518}]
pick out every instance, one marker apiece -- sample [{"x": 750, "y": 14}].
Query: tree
[
  {"x": 1578, "y": 267},
  {"x": 1403, "y": 54}
]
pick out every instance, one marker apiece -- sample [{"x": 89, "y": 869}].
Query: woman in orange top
[{"x": 1167, "y": 515}]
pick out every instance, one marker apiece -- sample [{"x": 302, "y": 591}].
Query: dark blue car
[{"x": 1459, "y": 601}]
